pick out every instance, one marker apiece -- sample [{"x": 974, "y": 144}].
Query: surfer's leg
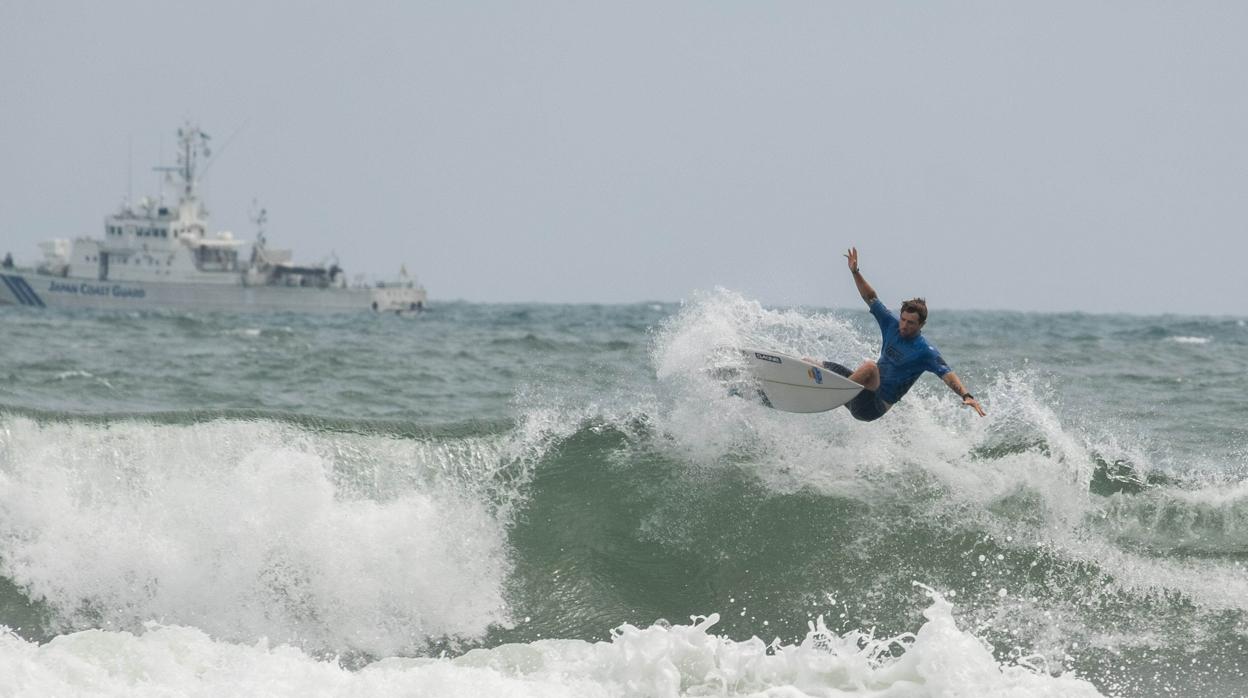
[{"x": 867, "y": 375}]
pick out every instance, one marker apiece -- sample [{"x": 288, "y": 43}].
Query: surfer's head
[{"x": 913, "y": 316}]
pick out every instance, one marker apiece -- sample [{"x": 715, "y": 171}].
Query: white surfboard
[{"x": 793, "y": 385}]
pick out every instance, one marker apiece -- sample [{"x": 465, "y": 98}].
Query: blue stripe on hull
[
  {"x": 22, "y": 291},
  {"x": 13, "y": 288},
  {"x": 30, "y": 292}
]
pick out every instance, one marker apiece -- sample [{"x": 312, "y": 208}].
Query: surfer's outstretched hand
[
  {"x": 852, "y": 256},
  {"x": 968, "y": 400}
]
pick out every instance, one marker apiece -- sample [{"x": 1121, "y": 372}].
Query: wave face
[{"x": 563, "y": 500}]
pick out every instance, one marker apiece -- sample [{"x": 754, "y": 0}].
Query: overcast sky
[{"x": 1038, "y": 156}]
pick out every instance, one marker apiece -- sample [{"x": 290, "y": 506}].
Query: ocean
[{"x": 561, "y": 500}]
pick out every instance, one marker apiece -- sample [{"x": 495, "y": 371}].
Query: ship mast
[{"x": 192, "y": 144}]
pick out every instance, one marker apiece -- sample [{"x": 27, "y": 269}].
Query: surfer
[{"x": 904, "y": 356}]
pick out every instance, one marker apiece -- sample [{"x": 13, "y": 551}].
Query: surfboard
[{"x": 793, "y": 385}]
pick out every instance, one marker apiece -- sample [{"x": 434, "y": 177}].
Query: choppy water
[{"x": 506, "y": 500}]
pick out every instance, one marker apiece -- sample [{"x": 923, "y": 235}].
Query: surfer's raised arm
[{"x": 864, "y": 288}]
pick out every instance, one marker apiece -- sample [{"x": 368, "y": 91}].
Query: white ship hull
[{"x": 39, "y": 290}]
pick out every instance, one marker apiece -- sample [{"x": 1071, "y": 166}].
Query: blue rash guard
[{"x": 902, "y": 360}]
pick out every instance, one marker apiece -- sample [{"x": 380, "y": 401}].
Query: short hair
[{"x": 916, "y": 305}]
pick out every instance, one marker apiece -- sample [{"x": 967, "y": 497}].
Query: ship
[{"x": 163, "y": 257}]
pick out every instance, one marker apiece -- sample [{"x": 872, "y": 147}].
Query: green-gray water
[{"x": 369, "y": 487}]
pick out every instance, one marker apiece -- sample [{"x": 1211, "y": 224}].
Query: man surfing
[{"x": 904, "y": 356}]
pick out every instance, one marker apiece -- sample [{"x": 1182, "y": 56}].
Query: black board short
[{"x": 866, "y": 406}]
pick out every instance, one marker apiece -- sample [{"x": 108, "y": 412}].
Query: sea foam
[
  {"x": 340, "y": 543},
  {"x": 664, "y": 661}
]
